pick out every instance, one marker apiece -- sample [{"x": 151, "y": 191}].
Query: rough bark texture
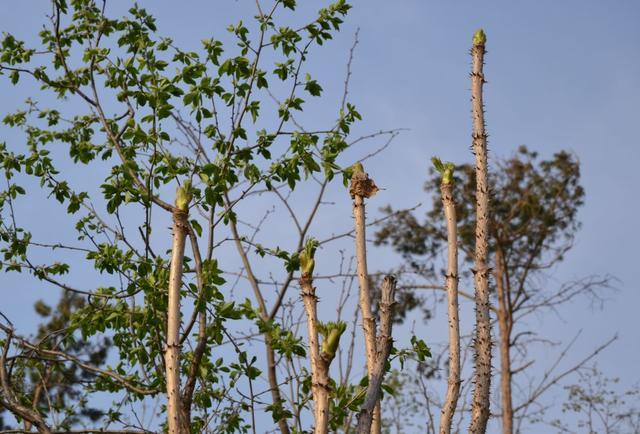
[
  {"x": 172, "y": 351},
  {"x": 366, "y": 416},
  {"x": 361, "y": 188},
  {"x": 481, "y": 393},
  {"x": 319, "y": 366},
  {"x": 505, "y": 326},
  {"x": 453, "y": 389}
]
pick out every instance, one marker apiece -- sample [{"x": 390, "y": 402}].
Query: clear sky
[{"x": 561, "y": 75}]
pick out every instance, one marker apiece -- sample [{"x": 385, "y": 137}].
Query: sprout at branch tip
[
  {"x": 307, "y": 262},
  {"x": 479, "y": 38},
  {"x": 446, "y": 169},
  {"x": 183, "y": 196}
]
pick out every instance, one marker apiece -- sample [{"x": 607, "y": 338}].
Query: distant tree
[
  {"x": 599, "y": 406},
  {"x": 532, "y": 225},
  {"x": 51, "y": 387}
]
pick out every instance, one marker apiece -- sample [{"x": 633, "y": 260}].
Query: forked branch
[{"x": 384, "y": 343}]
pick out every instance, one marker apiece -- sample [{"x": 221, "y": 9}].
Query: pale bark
[
  {"x": 366, "y": 416},
  {"x": 172, "y": 350},
  {"x": 319, "y": 366},
  {"x": 361, "y": 187},
  {"x": 505, "y": 327},
  {"x": 453, "y": 387},
  {"x": 368, "y": 321},
  {"x": 481, "y": 393}
]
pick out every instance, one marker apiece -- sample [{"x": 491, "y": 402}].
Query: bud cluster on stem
[{"x": 321, "y": 354}]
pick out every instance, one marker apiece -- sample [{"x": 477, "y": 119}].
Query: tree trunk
[
  {"x": 172, "y": 351},
  {"x": 362, "y": 187},
  {"x": 453, "y": 389},
  {"x": 272, "y": 376},
  {"x": 319, "y": 367},
  {"x": 504, "y": 325},
  {"x": 366, "y": 416},
  {"x": 481, "y": 393},
  {"x": 368, "y": 322}
]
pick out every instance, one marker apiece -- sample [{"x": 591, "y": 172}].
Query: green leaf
[
  {"x": 196, "y": 227},
  {"x": 15, "y": 77},
  {"x": 420, "y": 348}
]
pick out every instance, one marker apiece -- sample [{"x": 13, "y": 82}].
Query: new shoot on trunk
[
  {"x": 180, "y": 214},
  {"x": 322, "y": 354},
  {"x": 451, "y": 284}
]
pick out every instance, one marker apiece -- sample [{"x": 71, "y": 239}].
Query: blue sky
[{"x": 561, "y": 75}]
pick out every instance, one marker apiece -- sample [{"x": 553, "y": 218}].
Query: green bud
[
  {"x": 307, "y": 263},
  {"x": 331, "y": 332},
  {"x": 446, "y": 169},
  {"x": 183, "y": 196},
  {"x": 357, "y": 168},
  {"x": 479, "y": 38}
]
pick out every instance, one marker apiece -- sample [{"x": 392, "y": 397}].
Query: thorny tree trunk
[
  {"x": 362, "y": 187},
  {"x": 453, "y": 389},
  {"x": 505, "y": 326},
  {"x": 366, "y": 416},
  {"x": 319, "y": 366},
  {"x": 481, "y": 392},
  {"x": 172, "y": 350}
]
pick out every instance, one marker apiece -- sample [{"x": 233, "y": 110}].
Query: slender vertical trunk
[
  {"x": 504, "y": 324},
  {"x": 453, "y": 389},
  {"x": 362, "y": 187},
  {"x": 481, "y": 393},
  {"x": 321, "y": 357},
  {"x": 368, "y": 321},
  {"x": 319, "y": 368},
  {"x": 366, "y": 416},
  {"x": 198, "y": 353},
  {"x": 172, "y": 351},
  {"x": 272, "y": 374}
]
